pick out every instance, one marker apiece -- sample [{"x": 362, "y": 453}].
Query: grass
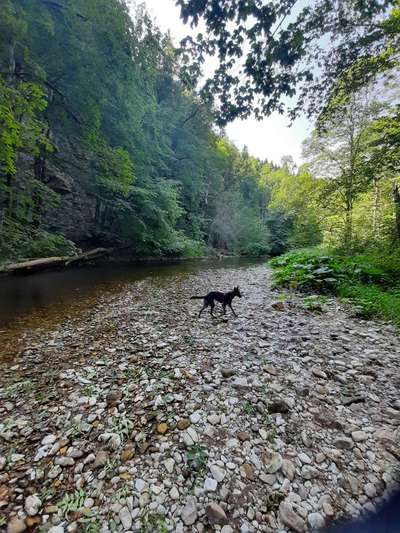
[{"x": 370, "y": 281}]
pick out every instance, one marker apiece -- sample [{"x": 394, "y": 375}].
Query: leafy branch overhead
[{"x": 284, "y": 54}]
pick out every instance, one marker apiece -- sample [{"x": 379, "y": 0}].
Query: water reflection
[{"x": 41, "y": 295}]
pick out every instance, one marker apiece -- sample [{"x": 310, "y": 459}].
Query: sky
[{"x": 270, "y": 138}]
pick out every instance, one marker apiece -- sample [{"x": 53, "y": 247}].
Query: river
[{"x": 44, "y": 299}]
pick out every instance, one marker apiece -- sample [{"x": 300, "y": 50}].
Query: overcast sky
[{"x": 268, "y": 139}]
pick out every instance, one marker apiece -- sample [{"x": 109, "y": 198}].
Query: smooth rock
[
  {"x": 16, "y": 525},
  {"x": 216, "y": 515},
  {"x": 126, "y": 518},
  {"x": 288, "y": 469},
  {"x": 359, "y": 436},
  {"x": 183, "y": 424},
  {"x": 169, "y": 465},
  {"x": 217, "y": 472},
  {"x": 100, "y": 460},
  {"x": 343, "y": 443},
  {"x": 189, "y": 512},
  {"x": 32, "y": 505},
  {"x": 290, "y": 518},
  {"x": 316, "y": 521},
  {"x": 272, "y": 461},
  {"x": 210, "y": 484}
]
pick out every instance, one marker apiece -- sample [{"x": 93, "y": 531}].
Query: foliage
[
  {"x": 372, "y": 300},
  {"x": 88, "y": 92},
  {"x": 371, "y": 282},
  {"x": 270, "y": 51},
  {"x": 18, "y": 242},
  {"x": 72, "y": 502},
  {"x": 197, "y": 457}
]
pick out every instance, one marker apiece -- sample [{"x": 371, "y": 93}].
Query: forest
[
  {"x": 111, "y": 137},
  {"x": 103, "y": 143},
  {"x": 127, "y": 402}
]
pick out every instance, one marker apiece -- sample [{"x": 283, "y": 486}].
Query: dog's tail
[{"x": 197, "y": 297}]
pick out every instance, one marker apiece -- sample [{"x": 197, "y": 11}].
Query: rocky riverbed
[{"x": 137, "y": 416}]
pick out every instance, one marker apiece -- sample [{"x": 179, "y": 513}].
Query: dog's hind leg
[
  {"x": 202, "y": 309},
  {"x": 212, "y": 305}
]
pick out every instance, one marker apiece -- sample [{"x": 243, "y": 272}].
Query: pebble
[
  {"x": 169, "y": 465},
  {"x": 370, "y": 490},
  {"x": 290, "y": 518},
  {"x": 210, "y": 484},
  {"x": 343, "y": 443},
  {"x": 32, "y": 505},
  {"x": 189, "y": 512},
  {"x": 304, "y": 458},
  {"x": 216, "y": 515},
  {"x": 359, "y": 436},
  {"x": 288, "y": 469},
  {"x": 126, "y": 518},
  {"x": 309, "y": 414},
  {"x": 195, "y": 418},
  {"x": 16, "y": 525},
  {"x": 217, "y": 472},
  {"x": 183, "y": 424},
  {"x": 316, "y": 521},
  {"x": 64, "y": 461},
  {"x": 272, "y": 461}
]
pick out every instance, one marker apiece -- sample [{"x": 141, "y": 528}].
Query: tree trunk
[
  {"x": 375, "y": 210},
  {"x": 396, "y": 200}
]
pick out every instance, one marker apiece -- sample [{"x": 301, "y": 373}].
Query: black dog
[{"x": 221, "y": 297}]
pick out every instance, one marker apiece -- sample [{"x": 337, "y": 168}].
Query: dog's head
[{"x": 236, "y": 291}]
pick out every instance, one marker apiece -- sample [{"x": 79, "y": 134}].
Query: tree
[
  {"x": 271, "y": 51},
  {"x": 337, "y": 155}
]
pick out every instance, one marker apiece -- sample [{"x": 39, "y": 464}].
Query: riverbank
[
  {"x": 370, "y": 282},
  {"x": 135, "y": 415}
]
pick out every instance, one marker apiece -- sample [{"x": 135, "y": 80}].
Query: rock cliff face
[{"x": 69, "y": 174}]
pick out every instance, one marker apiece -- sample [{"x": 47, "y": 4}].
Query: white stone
[
  {"x": 140, "y": 484},
  {"x": 189, "y": 512},
  {"x": 49, "y": 439},
  {"x": 32, "y": 505},
  {"x": 316, "y": 521},
  {"x": 174, "y": 493},
  {"x": 169, "y": 465},
  {"x": 195, "y": 417},
  {"x": 217, "y": 472},
  {"x": 210, "y": 484},
  {"x": 126, "y": 518},
  {"x": 304, "y": 458}
]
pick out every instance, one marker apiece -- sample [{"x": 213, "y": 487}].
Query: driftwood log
[{"x": 53, "y": 262}]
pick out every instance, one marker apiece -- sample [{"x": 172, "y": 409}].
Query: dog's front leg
[{"x": 232, "y": 310}]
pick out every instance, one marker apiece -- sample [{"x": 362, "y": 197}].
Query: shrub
[{"x": 371, "y": 282}]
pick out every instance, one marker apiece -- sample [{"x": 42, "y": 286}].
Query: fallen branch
[{"x": 53, "y": 262}]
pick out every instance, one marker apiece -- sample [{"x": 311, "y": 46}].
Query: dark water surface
[{"x": 62, "y": 292}]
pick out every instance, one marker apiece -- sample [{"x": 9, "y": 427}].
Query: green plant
[
  {"x": 90, "y": 521},
  {"x": 370, "y": 281},
  {"x": 197, "y": 457},
  {"x": 122, "y": 426},
  {"x": 154, "y": 523},
  {"x": 314, "y": 303},
  {"x": 21, "y": 387},
  {"x": 122, "y": 493},
  {"x": 72, "y": 502},
  {"x": 249, "y": 408},
  {"x": 112, "y": 464},
  {"x": 47, "y": 493}
]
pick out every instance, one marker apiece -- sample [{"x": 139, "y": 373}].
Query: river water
[{"x": 44, "y": 299}]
